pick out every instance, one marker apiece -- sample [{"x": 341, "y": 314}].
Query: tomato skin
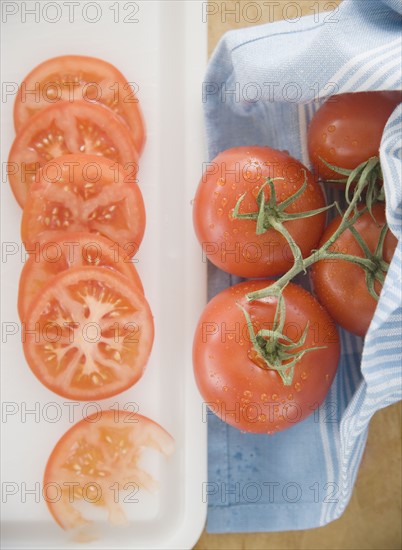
[
  {"x": 64, "y": 129},
  {"x": 72, "y": 77},
  {"x": 71, "y": 250},
  {"x": 84, "y": 193},
  {"x": 232, "y": 244},
  {"x": 136, "y": 433},
  {"x": 76, "y": 324},
  {"x": 340, "y": 285},
  {"x": 239, "y": 391},
  {"x": 347, "y": 130}
]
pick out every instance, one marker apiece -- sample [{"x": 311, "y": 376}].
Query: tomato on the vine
[
  {"x": 242, "y": 245},
  {"x": 95, "y": 460},
  {"x": 234, "y": 377},
  {"x": 341, "y": 285},
  {"x": 347, "y": 130}
]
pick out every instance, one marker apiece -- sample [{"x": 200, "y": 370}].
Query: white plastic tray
[{"x": 164, "y": 52}]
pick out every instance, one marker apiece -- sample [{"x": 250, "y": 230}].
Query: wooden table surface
[{"x": 373, "y": 518}]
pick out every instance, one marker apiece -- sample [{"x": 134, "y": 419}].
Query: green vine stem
[
  {"x": 272, "y": 215},
  {"x": 374, "y": 269},
  {"x": 374, "y": 191},
  {"x": 276, "y": 350}
]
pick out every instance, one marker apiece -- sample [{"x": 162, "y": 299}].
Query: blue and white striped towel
[{"x": 261, "y": 88}]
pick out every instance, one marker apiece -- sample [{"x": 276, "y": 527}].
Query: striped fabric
[{"x": 361, "y": 51}]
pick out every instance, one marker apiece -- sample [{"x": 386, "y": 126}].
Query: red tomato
[
  {"x": 64, "y": 252},
  {"x": 340, "y": 285},
  {"x": 84, "y": 193},
  {"x": 234, "y": 379},
  {"x": 63, "y": 129},
  {"x": 72, "y": 77},
  {"x": 88, "y": 333},
  {"x": 96, "y": 459},
  {"x": 232, "y": 244},
  {"x": 347, "y": 130}
]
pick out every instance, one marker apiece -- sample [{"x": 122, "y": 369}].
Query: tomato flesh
[
  {"x": 88, "y": 333},
  {"x": 233, "y": 244},
  {"x": 97, "y": 457},
  {"x": 71, "y": 250},
  {"x": 84, "y": 193},
  {"x": 347, "y": 130},
  {"x": 75, "y": 77},
  {"x": 233, "y": 378},
  {"x": 340, "y": 285},
  {"x": 67, "y": 128}
]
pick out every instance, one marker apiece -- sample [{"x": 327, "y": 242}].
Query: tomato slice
[
  {"x": 71, "y": 250},
  {"x": 76, "y": 77},
  {"x": 98, "y": 457},
  {"x": 66, "y": 128},
  {"x": 84, "y": 193},
  {"x": 88, "y": 333}
]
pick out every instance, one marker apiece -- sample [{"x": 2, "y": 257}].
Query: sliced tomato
[
  {"x": 76, "y": 77},
  {"x": 66, "y": 128},
  {"x": 98, "y": 457},
  {"x": 84, "y": 193},
  {"x": 70, "y": 250},
  {"x": 88, "y": 333}
]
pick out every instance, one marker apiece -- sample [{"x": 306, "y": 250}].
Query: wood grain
[{"x": 372, "y": 521}]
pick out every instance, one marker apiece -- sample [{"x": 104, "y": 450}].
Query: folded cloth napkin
[{"x": 263, "y": 86}]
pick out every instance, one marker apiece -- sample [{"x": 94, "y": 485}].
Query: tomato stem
[
  {"x": 277, "y": 351},
  {"x": 271, "y": 214},
  {"x": 373, "y": 263}
]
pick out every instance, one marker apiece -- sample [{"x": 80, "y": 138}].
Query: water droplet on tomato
[
  {"x": 225, "y": 388},
  {"x": 290, "y": 396},
  {"x": 211, "y": 225},
  {"x": 247, "y": 393},
  {"x": 303, "y": 375},
  {"x": 219, "y": 211},
  {"x": 331, "y": 128},
  {"x": 264, "y": 397},
  {"x": 262, "y": 418},
  {"x": 224, "y": 201},
  {"x": 221, "y": 182},
  {"x": 298, "y": 386},
  {"x": 354, "y": 143},
  {"x": 274, "y": 397},
  {"x": 324, "y": 137},
  {"x": 332, "y": 151}
]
